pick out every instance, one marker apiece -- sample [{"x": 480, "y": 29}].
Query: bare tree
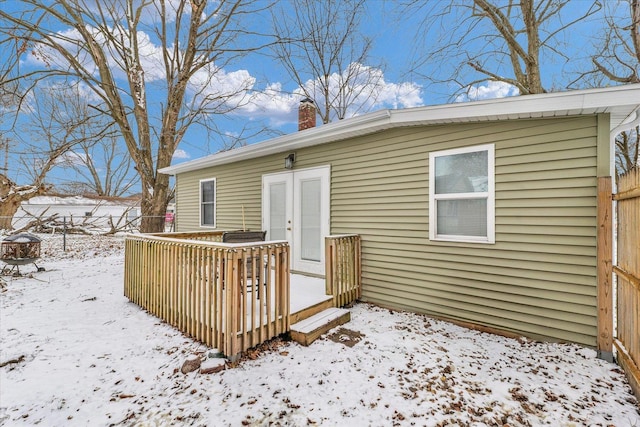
[
  {"x": 50, "y": 134},
  {"x": 102, "y": 168},
  {"x": 617, "y": 60},
  {"x": 323, "y": 51},
  {"x": 118, "y": 49},
  {"x": 4, "y": 149},
  {"x": 11, "y": 195},
  {"x": 627, "y": 150},
  {"x": 10, "y": 97},
  {"x": 485, "y": 40},
  {"x": 618, "y": 56},
  {"x": 11, "y": 93}
]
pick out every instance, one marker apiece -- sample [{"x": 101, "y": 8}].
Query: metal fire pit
[{"x": 20, "y": 249}]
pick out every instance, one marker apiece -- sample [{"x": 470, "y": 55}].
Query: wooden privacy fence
[
  {"x": 627, "y": 270},
  {"x": 343, "y": 269},
  {"x": 229, "y": 296}
]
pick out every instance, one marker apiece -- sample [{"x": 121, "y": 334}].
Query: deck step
[
  {"x": 307, "y": 312},
  {"x": 307, "y": 331}
]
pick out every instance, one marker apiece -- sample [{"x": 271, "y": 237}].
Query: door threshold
[{"x": 305, "y": 273}]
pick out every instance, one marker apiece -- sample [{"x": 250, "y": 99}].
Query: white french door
[{"x": 295, "y": 207}]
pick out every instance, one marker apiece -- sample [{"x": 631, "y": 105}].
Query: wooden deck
[
  {"x": 205, "y": 287},
  {"x": 307, "y": 297}
]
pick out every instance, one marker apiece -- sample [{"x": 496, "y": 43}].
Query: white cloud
[
  {"x": 79, "y": 93},
  {"x": 403, "y": 95},
  {"x": 72, "y": 158},
  {"x": 489, "y": 90},
  {"x": 70, "y": 39},
  {"x": 150, "y": 54},
  {"x": 367, "y": 91},
  {"x": 274, "y": 104},
  {"x": 219, "y": 90},
  {"x": 213, "y": 88},
  {"x": 181, "y": 154}
]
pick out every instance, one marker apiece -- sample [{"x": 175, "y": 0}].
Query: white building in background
[{"x": 96, "y": 212}]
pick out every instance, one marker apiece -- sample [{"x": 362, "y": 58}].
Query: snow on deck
[{"x": 306, "y": 291}]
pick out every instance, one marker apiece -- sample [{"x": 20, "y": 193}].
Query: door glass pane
[
  {"x": 462, "y": 173},
  {"x": 277, "y": 211},
  {"x": 310, "y": 210},
  {"x": 462, "y": 217}
]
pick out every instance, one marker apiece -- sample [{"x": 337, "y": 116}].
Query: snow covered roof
[
  {"x": 621, "y": 102},
  {"x": 80, "y": 201}
]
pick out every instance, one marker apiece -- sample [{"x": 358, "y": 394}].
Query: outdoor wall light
[{"x": 288, "y": 161}]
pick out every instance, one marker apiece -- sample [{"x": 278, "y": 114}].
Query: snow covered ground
[{"x": 75, "y": 351}]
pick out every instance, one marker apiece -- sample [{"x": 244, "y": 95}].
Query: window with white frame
[
  {"x": 462, "y": 194},
  {"x": 208, "y": 202}
]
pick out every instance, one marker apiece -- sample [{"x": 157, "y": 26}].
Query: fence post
[
  {"x": 64, "y": 234},
  {"x": 604, "y": 339}
]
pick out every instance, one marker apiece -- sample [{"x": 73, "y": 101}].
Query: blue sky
[{"x": 397, "y": 36}]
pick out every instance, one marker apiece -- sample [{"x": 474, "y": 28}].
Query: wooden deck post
[
  {"x": 233, "y": 308},
  {"x": 604, "y": 341},
  {"x": 329, "y": 266}
]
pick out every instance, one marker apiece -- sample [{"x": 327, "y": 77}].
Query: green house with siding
[{"x": 484, "y": 213}]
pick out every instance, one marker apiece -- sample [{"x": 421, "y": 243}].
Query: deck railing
[
  {"x": 207, "y": 289},
  {"x": 343, "y": 269},
  {"x": 207, "y": 236}
]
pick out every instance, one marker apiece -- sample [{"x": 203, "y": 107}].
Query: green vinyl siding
[
  {"x": 239, "y": 188},
  {"x": 538, "y": 279}
]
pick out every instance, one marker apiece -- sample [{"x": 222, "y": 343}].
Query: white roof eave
[{"x": 620, "y": 101}]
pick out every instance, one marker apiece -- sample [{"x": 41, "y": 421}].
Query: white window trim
[
  {"x": 215, "y": 203},
  {"x": 490, "y": 195}
]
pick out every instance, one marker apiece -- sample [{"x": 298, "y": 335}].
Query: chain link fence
[{"x": 70, "y": 227}]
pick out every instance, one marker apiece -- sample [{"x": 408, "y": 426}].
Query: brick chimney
[{"x": 306, "y": 114}]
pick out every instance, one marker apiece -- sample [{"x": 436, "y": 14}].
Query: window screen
[
  {"x": 462, "y": 194},
  {"x": 208, "y": 202}
]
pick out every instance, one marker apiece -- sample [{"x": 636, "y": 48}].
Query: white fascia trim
[
  {"x": 588, "y": 101},
  {"x": 560, "y": 103},
  {"x": 309, "y": 137}
]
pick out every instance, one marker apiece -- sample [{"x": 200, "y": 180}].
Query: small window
[
  {"x": 208, "y": 203},
  {"x": 462, "y": 195}
]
